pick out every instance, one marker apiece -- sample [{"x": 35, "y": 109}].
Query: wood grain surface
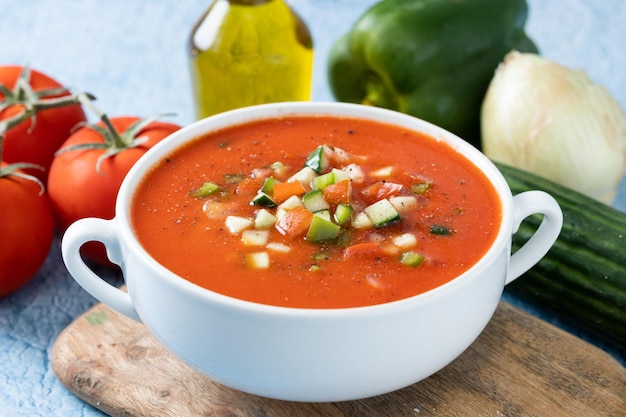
[{"x": 519, "y": 366}]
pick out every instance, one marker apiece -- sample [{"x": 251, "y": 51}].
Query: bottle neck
[{"x": 249, "y": 2}]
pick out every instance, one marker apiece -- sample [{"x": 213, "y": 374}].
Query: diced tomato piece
[
  {"x": 249, "y": 186},
  {"x": 284, "y": 190},
  {"x": 380, "y": 190},
  {"x": 363, "y": 249},
  {"x": 294, "y": 222},
  {"x": 338, "y": 193}
]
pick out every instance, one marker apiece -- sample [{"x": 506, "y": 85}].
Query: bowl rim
[{"x": 285, "y": 109}]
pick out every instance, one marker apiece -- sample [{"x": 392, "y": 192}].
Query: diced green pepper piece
[
  {"x": 411, "y": 258},
  {"x": 437, "y": 229},
  {"x": 343, "y": 213},
  {"x": 322, "y": 229},
  {"x": 420, "y": 187},
  {"x": 205, "y": 190},
  {"x": 234, "y": 178},
  {"x": 317, "y": 160}
]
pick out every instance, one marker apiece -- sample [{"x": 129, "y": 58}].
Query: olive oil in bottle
[{"x": 246, "y": 52}]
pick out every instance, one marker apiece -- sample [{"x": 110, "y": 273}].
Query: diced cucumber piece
[
  {"x": 305, "y": 176},
  {"x": 268, "y": 185},
  {"x": 314, "y": 201},
  {"x": 361, "y": 221},
  {"x": 237, "y": 224},
  {"x": 264, "y": 219},
  {"x": 382, "y": 213},
  {"x": 205, "y": 190},
  {"x": 255, "y": 237},
  {"x": 322, "y": 229},
  {"x": 289, "y": 204},
  {"x": 403, "y": 203},
  {"x": 324, "y": 214},
  {"x": 324, "y": 180},
  {"x": 343, "y": 213},
  {"x": 317, "y": 160},
  {"x": 279, "y": 168},
  {"x": 263, "y": 200},
  {"x": 411, "y": 258},
  {"x": 257, "y": 260},
  {"x": 340, "y": 175}
]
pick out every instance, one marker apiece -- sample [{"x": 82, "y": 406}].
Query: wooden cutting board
[{"x": 519, "y": 366}]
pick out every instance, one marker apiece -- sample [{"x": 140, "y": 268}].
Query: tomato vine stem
[{"x": 31, "y": 103}]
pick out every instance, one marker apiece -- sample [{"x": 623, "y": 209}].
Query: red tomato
[
  {"x": 78, "y": 190},
  {"x": 26, "y": 230},
  {"x": 36, "y": 141}
]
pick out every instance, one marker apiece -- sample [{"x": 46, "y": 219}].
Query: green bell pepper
[{"x": 432, "y": 59}]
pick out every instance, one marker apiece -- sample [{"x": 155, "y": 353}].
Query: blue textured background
[{"x": 132, "y": 56}]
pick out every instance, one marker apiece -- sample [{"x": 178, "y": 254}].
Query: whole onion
[{"x": 553, "y": 121}]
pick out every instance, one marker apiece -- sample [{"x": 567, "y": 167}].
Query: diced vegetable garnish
[
  {"x": 405, "y": 241},
  {"x": 268, "y": 185},
  {"x": 233, "y": 178},
  {"x": 382, "y": 213},
  {"x": 343, "y": 213},
  {"x": 294, "y": 222},
  {"x": 437, "y": 229},
  {"x": 384, "y": 172},
  {"x": 324, "y": 180},
  {"x": 257, "y": 260},
  {"x": 263, "y": 200},
  {"x": 314, "y": 201},
  {"x": 284, "y": 190},
  {"x": 362, "y": 221},
  {"x": 360, "y": 249},
  {"x": 420, "y": 187},
  {"x": 205, "y": 190},
  {"x": 236, "y": 224},
  {"x": 279, "y": 168},
  {"x": 339, "y": 192},
  {"x": 304, "y": 176},
  {"x": 321, "y": 229},
  {"x": 318, "y": 203},
  {"x": 403, "y": 203},
  {"x": 381, "y": 189},
  {"x": 317, "y": 160},
  {"x": 340, "y": 175},
  {"x": 255, "y": 237},
  {"x": 278, "y": 247},
  {"x": 264, "y": 219},
  {"x": 411, "y": 258}
]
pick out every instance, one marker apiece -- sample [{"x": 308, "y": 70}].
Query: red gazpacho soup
[{"x": 316, "y": 212}]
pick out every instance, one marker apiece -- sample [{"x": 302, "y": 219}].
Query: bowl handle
[
  {"x": 98, "y": 230},
  {"x": 526, "y": 204}
]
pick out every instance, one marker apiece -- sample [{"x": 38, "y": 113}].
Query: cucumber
[
  {"x": 322, "y": 228},
  {"x": 582, "y": 278},
  {"x": 382, "y": 213}
]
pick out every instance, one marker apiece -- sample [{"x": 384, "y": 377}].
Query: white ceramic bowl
[{"x": 310, "y": 354}]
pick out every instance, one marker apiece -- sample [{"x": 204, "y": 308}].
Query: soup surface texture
[{"x": 316, "y": 212}]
